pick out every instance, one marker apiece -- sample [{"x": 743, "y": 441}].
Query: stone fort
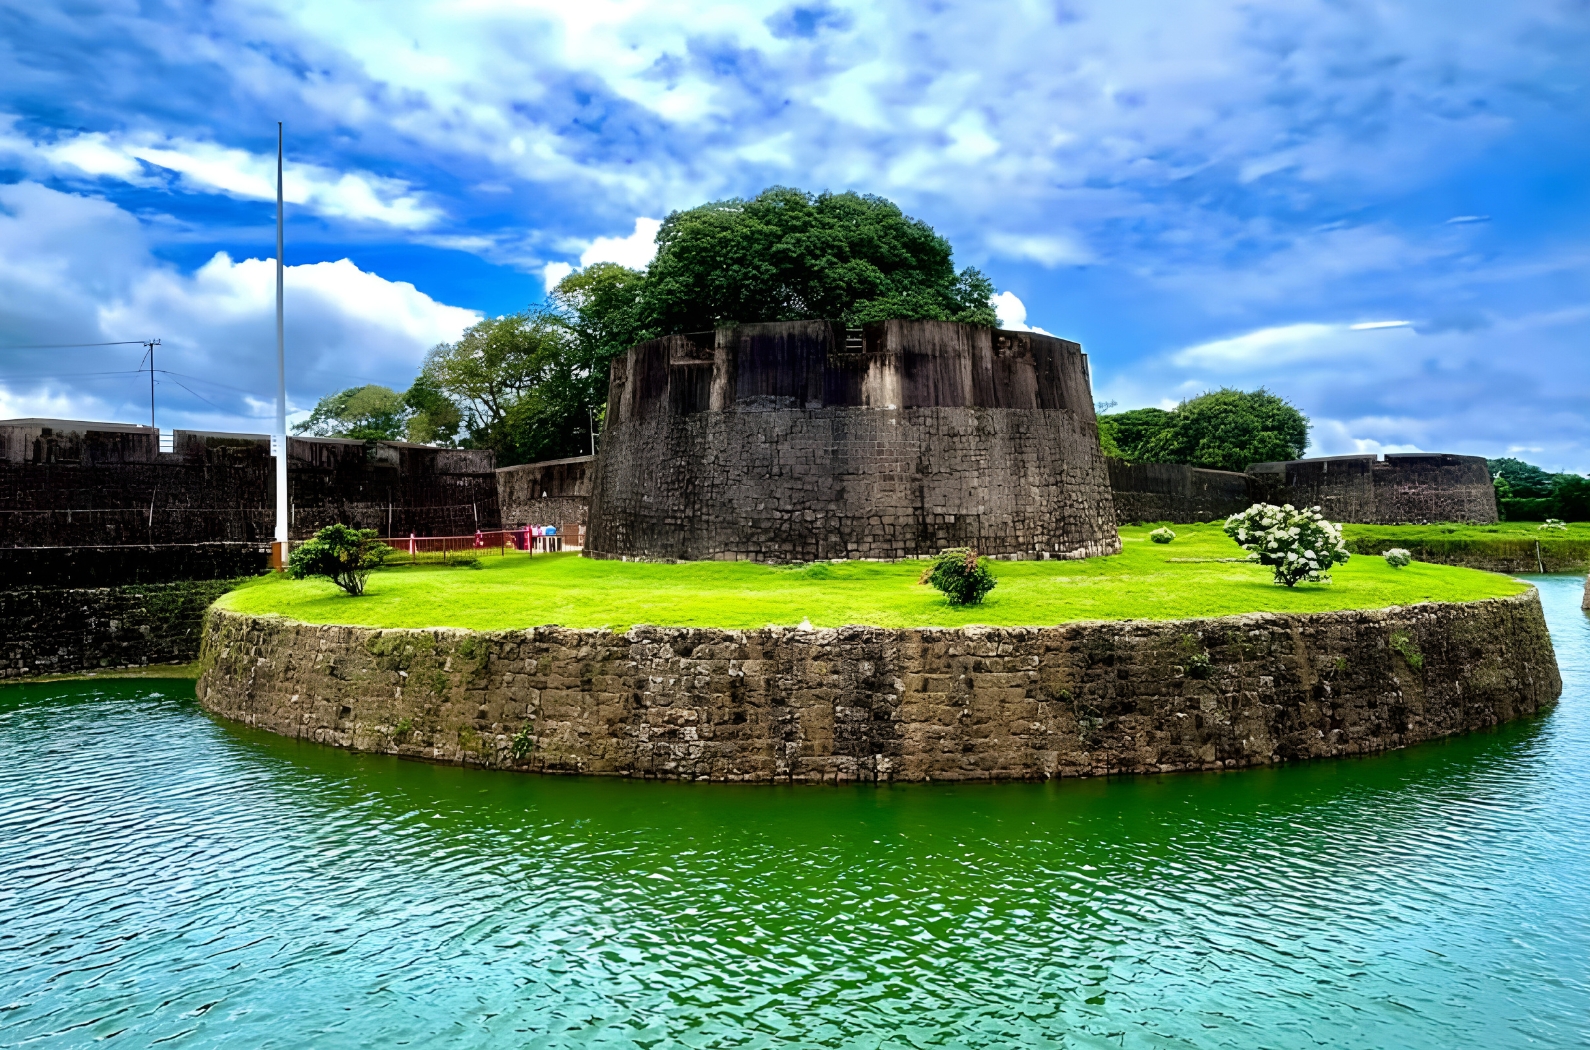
[{"x": 804, "y": 440}]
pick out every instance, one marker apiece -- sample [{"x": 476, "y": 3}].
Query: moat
[{"x": 178, "y": 879}]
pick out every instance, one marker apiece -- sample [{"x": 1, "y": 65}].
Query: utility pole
[
  {"x": 151, "y": 344},
  {"x": 280, "y": 558}
]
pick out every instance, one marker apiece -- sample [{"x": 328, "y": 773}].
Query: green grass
[
  {"x": 1146, "y": 580},
  {"x": 1509, "y": 541}
]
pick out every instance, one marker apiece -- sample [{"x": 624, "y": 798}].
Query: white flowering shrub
[
  {"x": 1162, "y": 535},
  {"x": 1398, "y": 558},
  {"x": 1554, "y": 523},
  {"x": 1300, "y": 545}
]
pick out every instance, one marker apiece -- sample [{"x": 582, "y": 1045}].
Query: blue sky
[{"x": 1378, "y": 210}]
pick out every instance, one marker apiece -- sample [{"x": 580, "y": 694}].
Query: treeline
[
  {"x": 1220, "y": 430},
  {"x": 533, "y": 385},
  {"x": 1524, "y": 492}
]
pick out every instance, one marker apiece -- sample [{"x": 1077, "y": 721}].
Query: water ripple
[{"x": 173, "y": 881}]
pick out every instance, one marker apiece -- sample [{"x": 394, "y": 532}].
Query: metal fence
[{"x": 451, "y": 548}]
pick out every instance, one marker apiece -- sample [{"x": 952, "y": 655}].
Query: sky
[{"x": 1377, "y": 210}]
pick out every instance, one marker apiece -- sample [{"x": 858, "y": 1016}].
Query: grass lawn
[
  {"x": 1510, "y": 541},
  {"x": 1146, "y": 580}
]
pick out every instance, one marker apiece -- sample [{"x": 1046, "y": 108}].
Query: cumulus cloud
[
  {"x": 78, "y": 270},
  {"x": 634, "y": 251},
  {"x": 1012, "y": 313}
]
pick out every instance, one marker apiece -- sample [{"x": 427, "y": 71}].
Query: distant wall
[
  {"x": 801, "y": 441},
  {"x": 552, "y": 492},
  {"x": 69, "y": 484},
  {"x": 1178, "y": 493},
  {"x": 1407, "y": 488}
]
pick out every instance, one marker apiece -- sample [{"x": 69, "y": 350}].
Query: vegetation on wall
[{"x": 1222, "y": 429}]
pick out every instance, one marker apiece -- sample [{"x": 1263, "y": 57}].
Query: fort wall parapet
[
  {"x": 551, "y": 492},
  {"x": 801, "y": 441}
]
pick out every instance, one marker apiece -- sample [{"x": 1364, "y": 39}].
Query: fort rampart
[
  {"x": 863, "y": 703},
  {"x": 1178, "y": 493},
  {"x": 801, "y": 441},
  {"x": 1407, "y": 488}
]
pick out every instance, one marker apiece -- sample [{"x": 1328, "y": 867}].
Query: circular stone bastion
[
  {"x": 804, "y": 440},
  {"x": 866, "y": 703}
]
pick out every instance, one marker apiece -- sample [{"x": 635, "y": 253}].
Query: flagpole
[{"x": 281, "y": 378}]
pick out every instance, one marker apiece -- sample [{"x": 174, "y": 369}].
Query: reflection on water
[{"x": 165, "y": 878}]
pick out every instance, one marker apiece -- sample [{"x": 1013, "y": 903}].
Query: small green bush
[
  {"x": 961, "y": 575},
  {"x": 1162, "y": 535},
  {"x": 1404, "y": 646},
  {"x": 342, "y": 555},
  {"x": 1398, "y": 557}
]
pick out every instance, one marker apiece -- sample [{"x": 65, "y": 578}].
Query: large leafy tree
[
  {"x": 371, "y": 413},
  {"x": 522, "y": 384},
  {"x": 1223, "y": 430},
  {"x": 788, "y": 255}
]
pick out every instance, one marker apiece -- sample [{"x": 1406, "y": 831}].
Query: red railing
[{"x": 447, "y": 547}]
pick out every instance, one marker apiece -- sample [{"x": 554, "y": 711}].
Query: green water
[{"x": 168, "y": 879}]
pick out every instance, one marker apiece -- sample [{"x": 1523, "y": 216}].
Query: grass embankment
[
  {"x": 1147, "y": 580},
  {"x": 1509, "y": 545}
]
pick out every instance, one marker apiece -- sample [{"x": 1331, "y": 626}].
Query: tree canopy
[
  {"x": 788, "y": 255},
  {"x": 533, "y": 384},
  {"x": 1525, "y": 492},
  {"x": 1223, "y": 429}
]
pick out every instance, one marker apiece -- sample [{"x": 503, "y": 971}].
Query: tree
[
  {"x": 369, "y": 413},
  {"x": 433, "y": 419},
  {"x": 522, "y": 384},
  {"x": 788, "y": 255},
  {"x": 342, "y": 555},
  {"x": 1227, "y": 430},
  {"x": 1525, "y": 480},
  {"x": 1125, "y": 433}
]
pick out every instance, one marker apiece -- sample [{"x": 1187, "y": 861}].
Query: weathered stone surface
[
  {"x": 801, "y": 441},
  {"x": 56, "y": 630},
  {"x": 1178, "y": 493},
  {"x": 861, "y": 703},
  {"x": 551, "y": 492},
  {"x": 1403, "y": 488}
]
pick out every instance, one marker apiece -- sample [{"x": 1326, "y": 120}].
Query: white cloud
[
  {"x": 1012, "y": 313},
  {"x": 76, "y": 269},
  {"x": 204, "y": 167},
  {"x": 553, "y": 272},
  {"x": 1045, "y": 249},
  {"x": 634, "y": 251},
  {"x": 1268, "y": 349}
]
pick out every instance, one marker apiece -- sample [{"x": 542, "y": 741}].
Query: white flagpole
[{"x": 281, "y": 376}]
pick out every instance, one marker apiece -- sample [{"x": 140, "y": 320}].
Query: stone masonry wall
[
  {"x": 809, "y": 484},
  {"x": 804, "y": 440},
  {"x": 1178, "y": 493},
  {"x": 56, "y": 630},
  {"x": 552, "y": 492},
  {"x": 1406, "y": 488},
  {"x": 861, "y": 703}
]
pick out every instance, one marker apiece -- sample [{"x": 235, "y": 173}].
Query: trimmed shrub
[
  {"x": 1398, "y": 557},
  {"x": 1556, "y": 524},
  {"x": 961, "y": 575},
  {"x": 342, "y": 555},
  {"x": 1162, "y": 535},
  {"x": 1300, "y": 545}
]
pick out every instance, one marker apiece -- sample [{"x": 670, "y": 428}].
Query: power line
[{"x": 70, "y": 346}]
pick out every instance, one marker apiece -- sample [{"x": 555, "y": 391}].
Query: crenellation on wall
[{"x": 863, "y": 703}]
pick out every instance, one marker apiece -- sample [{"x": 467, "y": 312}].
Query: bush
[
  {"x": 962, "y": 577},
  {"x": 1299, "y": 544},
  {"x": 342, "y": 555},
  {"x": 1398, "y": 557},
  {"x": 1556, "y": 524},
  {"x": 1162, "y": 535}
]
